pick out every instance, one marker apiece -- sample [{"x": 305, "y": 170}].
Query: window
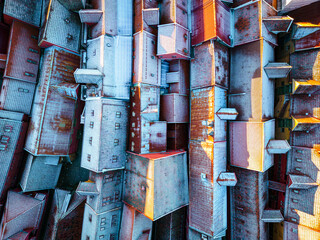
[
  {"x": 114, "y": 219},
  {"x": 117, "y": 126},
  {"x": 33, "y": 50},
  {"x": 8, "y": 128},
  {"x": 106, "y": 201},
  {"x": 297, "y": 169},
  {"x": 28, "y": 74},
  {"x": 118, "y": 114},
  {"x": 296, "y": 191},
  {"x": 116, "y": 142},
  {"x": 92, "y": 113},
  {"x": 299, "y": 151},
  {"x": 298, "y": 160},
  {"x": 285, "y": 123},
  {"x": 293, "y": 219},
  {"x": 114, "y": 158},
  {"x": 34, "y": 37},
  {"x": 103, "y": 219},
  {"x": 90, "y": 140},
  {"x": 90, "y": 217},
  {"x": 29, "y": 60},
  {"x": 295, "y": 201},
  {"x": 102, "y": 228},
  {"x": 89, "y": 157},
  {"x": 116, "y": 196},
  {"x": 23, "y": 90},
  {"x": 204, "y": 237},
  {"x": 112, "y": 236},
  {"x": 91, "y": 124},
  {"x": 3, "y": 147},
  {"x": 101, "y": 237},
  {"x": 5, "y": 139},
  {"x": 108, "y": 178},
  {"x": 87, "y": 238}
]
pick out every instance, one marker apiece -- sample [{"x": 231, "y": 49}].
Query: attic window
[
  {"x": 296, "y": 191},
  {"x": 294, "y": 230},
  {"x": 295, "y": 200},
  {"x": 299, "y": 151}
]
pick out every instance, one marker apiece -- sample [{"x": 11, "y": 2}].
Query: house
[
  {"x": 40, "y": 173},
  {"x": 60, "y": 20},
  {"x": 156, "y": 184},
  {"x": 103, "y": 190},
  {"x": 66, "y": 215},
  {"x": 55, "y": 116},
  {"x": 105, "y": 131},
  {"x": 13, "y": 128},
  {"x": 21, "y": 212},
  {"x": 21, "y": 69},
  {"x": 25, "y": 11}
]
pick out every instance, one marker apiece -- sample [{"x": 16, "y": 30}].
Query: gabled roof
[
  {"x": 21, "y": 212},
  {"x": 65, "y": 202}
]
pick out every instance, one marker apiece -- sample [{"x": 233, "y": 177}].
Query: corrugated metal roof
[
  {"x": 52, "y": 119},
  {"x": 251, "y": 92},
  {"x": 28, "y": 11},
  {"x": 305, "y": 65},
  {"x": 248, "y": 200}
]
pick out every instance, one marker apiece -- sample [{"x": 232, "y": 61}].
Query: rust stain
[{"x": 243, "y": 24}]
